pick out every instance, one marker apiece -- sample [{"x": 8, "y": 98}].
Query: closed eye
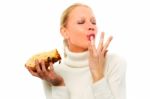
[
  {"x": 93, "y": 21},
  {"x": 81, "y": 22}
]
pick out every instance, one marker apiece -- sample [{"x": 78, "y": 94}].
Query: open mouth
[{"x": 91, "y": 36}]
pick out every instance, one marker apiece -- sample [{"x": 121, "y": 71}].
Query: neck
[
  {"x": 74, "y": 48},
  {"x": 76, "y": 60}
]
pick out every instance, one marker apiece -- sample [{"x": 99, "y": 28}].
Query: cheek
[
  {"x": 79, "y": 39},
  {"x": 77, "y": 35}
]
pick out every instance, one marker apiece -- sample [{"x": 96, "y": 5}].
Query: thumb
[{"x": 51, "y": 68}]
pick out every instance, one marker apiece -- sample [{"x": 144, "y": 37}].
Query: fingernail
[
  {"x": 49, "y": 68},
  {"x": 111, "y": 37},
  {"x": 92, "y": 40}
]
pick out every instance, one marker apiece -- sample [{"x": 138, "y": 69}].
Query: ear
[{"x": 64, "y": 32}]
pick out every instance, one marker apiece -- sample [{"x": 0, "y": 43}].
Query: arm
[
  {"x": 54, "y": 86},
  {"x": 113, "y": 85},
  {"x": 55, "y": 92}
]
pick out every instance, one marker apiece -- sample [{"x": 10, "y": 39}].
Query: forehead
[{"x": 81, "y": 11}]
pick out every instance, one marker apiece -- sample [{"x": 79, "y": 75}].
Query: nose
[{"x": 91, "y": 28}]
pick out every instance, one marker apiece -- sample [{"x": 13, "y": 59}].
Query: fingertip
[
  {"x": 51, "y": 68},
  {"x": 102, "y": 36},
  {"x": 29, "y": 69},
  {"x": 25, "y": 65},
  {"x": 102, "y": 33},
  {"x": 92, "y": 40},
  {"x": 111, "y": 37},
  {"x": 51, "y": 63}
]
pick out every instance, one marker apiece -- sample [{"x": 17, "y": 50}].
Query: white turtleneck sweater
[{"x": 78, "y": 80}]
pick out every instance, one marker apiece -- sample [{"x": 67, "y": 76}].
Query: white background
[{"x": 31, "y": 26}]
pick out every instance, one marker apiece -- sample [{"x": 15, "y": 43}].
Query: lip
[{"x": 89, "y": 36}]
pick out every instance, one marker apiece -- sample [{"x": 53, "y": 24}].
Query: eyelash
[
  {"x": 82, "y": 22},
  {"x": 94, "y": 23}
]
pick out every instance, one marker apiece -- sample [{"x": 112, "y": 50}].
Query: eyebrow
[{"x": 91, "y": 18}]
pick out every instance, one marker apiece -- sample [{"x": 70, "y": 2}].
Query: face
[{"x": 81, "y": 24}]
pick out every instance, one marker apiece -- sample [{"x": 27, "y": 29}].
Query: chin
[
  {"x": 79, "y": 47},
  {"x": 85, "y": 47}
]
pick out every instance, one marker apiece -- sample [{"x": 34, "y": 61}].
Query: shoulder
[
  {"x": 114, "y": 58},
  {"x": 115, "y": 63}
]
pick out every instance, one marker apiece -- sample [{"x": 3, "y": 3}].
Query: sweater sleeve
[
  {"x": 113, "y": 85},
  {"x": 55, "y": 92}
]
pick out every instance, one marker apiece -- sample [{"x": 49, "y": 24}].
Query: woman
[{"x": 86, "y": 72}]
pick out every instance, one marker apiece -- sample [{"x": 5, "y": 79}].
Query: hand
[
  {"x": 97, "y": 57},
  {"x": 47, "y": 74}
]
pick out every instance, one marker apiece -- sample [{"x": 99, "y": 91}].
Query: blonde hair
[{"x": 67, "y": 11}]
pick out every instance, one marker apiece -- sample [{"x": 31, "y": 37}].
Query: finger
[
  {"x": 51, "y": 71},
  {"x": 105, "y": 53},
  {"x": 25, "y": 65},
  {"x": 37, "y": 66},
  {"x": 32, "y": 68},
  {"x": 49, "y": 59},
  {"x": 93, "y": 48},
  {"x": 100, "y": 45},
  {"x": 51, "y": 68},
  {"x": 32, "y": 72},
  {"x": 107, "y": 44},
  {"x": 43, "y": 66},
  {"x": 90, "y": 49}
]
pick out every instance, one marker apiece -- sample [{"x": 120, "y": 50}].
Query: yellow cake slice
[{"x": 49, "y": 56}]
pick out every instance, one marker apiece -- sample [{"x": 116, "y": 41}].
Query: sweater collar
[{"x": 76, "y": 60}]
